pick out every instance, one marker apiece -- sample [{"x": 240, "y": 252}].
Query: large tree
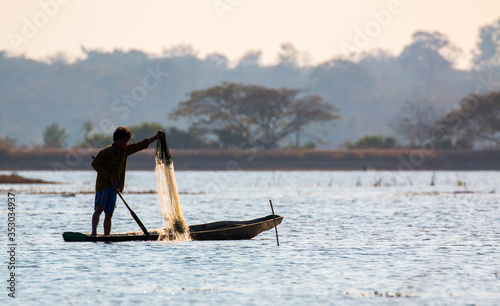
[
  {"x": 415, "y": 122},
  {"x": 54, "y": 136},
  {"x": 477, "y": 118},
  {"x": 427, "y": 65},
  {"x": 145, "y": 130},
  {"x": 428, "y": 54},
  {"x": 6, "y": 144},
  {"x": 488, "y": 47},
  {"x": 263, "y": 116}
]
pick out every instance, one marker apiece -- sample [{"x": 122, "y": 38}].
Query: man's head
[
  {"x": 121, "y": 136},
  {"x": 122, "y": 133}
]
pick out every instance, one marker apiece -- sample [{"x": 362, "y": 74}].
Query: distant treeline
[
  {"x": 358, "y": 159},
  {"x": 130, "y": 88}
]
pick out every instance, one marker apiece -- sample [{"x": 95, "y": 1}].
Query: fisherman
[{"x": 110, "y": 164}]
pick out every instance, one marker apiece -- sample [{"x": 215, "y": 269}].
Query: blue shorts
[{"x": 107, "y": 198}]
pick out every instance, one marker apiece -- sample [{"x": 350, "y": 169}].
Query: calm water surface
[{"x": 347, "y": 238}]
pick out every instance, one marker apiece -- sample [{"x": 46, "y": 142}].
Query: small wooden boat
[{"x": 221, "y": 230}]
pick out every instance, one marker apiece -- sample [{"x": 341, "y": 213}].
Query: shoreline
[{"x": 253, "y": 160}]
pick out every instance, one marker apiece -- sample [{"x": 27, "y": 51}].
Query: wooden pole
[
  {"x": 137, "y": 220},
  {"x": 275, "y": 225}
]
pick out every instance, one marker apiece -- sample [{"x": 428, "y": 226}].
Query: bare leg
[
  {"x": 95, "y": 218},
  {"x": 107, "y": 223}
]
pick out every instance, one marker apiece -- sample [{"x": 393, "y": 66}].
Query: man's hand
[{"x": 159, "y": 134}]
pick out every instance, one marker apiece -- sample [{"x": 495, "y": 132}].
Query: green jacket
[{"x": 110, "y": 164}]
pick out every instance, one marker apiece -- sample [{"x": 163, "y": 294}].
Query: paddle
[
  {"x": 131, "y": 211},
  {"x": 133, "y": 214},
  {"x": 275, "y": 226}
]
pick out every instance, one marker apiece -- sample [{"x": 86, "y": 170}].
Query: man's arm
[
  {"x": 155, "y": 137},
  {"x": 135, "y": 147}
]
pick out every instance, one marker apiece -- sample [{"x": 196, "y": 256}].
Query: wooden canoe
[{"x": 221, "y": 230}]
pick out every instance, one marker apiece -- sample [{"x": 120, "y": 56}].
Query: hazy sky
[{"x": 324, "y": 29}]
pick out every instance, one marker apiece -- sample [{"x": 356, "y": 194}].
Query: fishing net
[{"x": 175, "y": 227}]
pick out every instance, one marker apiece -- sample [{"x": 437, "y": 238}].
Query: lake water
[{"x": 347, "y": 238}]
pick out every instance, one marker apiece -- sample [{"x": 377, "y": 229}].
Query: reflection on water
[{"x": 347, "y": 238}]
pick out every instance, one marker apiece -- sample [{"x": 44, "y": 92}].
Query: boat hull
[{"x": 221, "y": 230}]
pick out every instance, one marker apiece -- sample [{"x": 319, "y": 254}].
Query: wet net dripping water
[{"x": 175, "y": 227}]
